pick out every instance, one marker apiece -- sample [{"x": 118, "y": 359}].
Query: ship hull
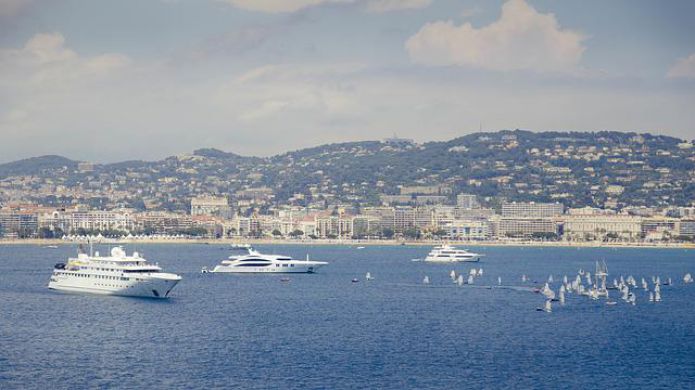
[
  {"x": 146, "y": 288},
  {"x": 295, "y": 269}
]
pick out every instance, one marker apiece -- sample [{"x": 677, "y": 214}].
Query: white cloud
[
  {"x": 522, "y": 38},
  {"x": 280, "y": 6},
  {"x": 683, "y": 68},
  {"x": 395, "y": 5}
]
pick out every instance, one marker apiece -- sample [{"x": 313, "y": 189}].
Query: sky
[{"x": 104, "y": 81}]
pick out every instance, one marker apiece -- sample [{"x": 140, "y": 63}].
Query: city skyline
[{"x": 110, "y": 82}]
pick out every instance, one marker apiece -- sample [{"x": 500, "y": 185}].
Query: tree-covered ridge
[{"x": 575, "y": 168}]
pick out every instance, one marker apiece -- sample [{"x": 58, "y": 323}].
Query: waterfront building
[
  {"x": 163, "y": 222},
  {"x": 597, "y": 227},
  {"x": 467, "y": 230},
  {"x": 531, "y": 210},
  {"x": 656, "y": 229},
  {"x": 333, "y": 226},
  {"x": 386, "y": 215},
  {"x": 686, "y": 228},
  {"x": 18, "y": 223},
  {"x": 217, "y": 206},
  {"x": 467, "y": 201},
  {"x": 364, "y": 225},
  {"x": 525, "y": 227}
]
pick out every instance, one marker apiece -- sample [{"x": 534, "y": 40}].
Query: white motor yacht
[
  {"x": 448, "y": 254},
  {"x": 256, "y": 262},
  {"x": 117, "y": 274}
]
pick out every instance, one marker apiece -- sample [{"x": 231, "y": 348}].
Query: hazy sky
[{"x": 142, "y": 79}]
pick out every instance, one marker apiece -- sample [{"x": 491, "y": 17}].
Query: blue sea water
[{"x": 322, "y": 331}]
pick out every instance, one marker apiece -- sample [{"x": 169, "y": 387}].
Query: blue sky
[{"x": 116, "y": 80}]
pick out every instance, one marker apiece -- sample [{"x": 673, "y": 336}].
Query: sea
[{"x": 324, "y": 331}]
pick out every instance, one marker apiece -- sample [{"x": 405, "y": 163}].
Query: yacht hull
[
  {"x": 471, "y": 260},
  {"x": 295, "y": 269},
  {"x": 148, "y": 288}
]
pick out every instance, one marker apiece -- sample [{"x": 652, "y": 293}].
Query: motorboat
[
  {"x": 255, "y": 262},
  {"x": 449, "y": 254}
]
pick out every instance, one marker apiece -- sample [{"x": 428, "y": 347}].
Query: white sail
[
  {"x": 426, "y": 280},
  {"x": 368, "y": 276},
  {"x": 550, "y": 279},
  {"x": 657, "y": 296},
  {"x": 524, "y": 279},
  {"x": 499, "y": 280},
  {"x": 459, "y": 280},
  {"x": 562, "y": 296},
  {"x": 687, "y": 278},
  {"x": 564, "y": 279},
  {"x": 480, "y": 271},
  {"x": 452, "y": 275},
  {"x": 651, "y": 296},
  {"x": 548, "y": 306},
  {"x": 470, "y": 279},
  {"x": 473, "y": 272}
]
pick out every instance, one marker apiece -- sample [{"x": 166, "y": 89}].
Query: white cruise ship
[
  {"x": 117, "y": 274},
  {"x": 449, "y": 254},
  {"x": 256, "y": 262}
]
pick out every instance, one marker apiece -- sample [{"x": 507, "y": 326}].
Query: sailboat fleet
[{"x": 595, "y": 288}]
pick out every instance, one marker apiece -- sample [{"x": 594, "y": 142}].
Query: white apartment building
[
  {"x": 598, "y": 226},
  {"x": 531, "y": 210}
]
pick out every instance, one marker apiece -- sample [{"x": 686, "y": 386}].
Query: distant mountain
[
  {"x": 36, "y": 165},
  {"x": 575, "y": 168}
]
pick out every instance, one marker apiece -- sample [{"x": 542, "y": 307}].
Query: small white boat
[
  {"x": 368, "y": 276},
  {"x": 360, "y": 247},
  {"x": 426, "y": 280},
  {"x": 687, "y": 278}
]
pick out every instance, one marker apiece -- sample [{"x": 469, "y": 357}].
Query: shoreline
[{"x": 188, "y": 241}]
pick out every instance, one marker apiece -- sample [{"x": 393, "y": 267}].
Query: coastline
[{"x": 226, "y": 241}]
